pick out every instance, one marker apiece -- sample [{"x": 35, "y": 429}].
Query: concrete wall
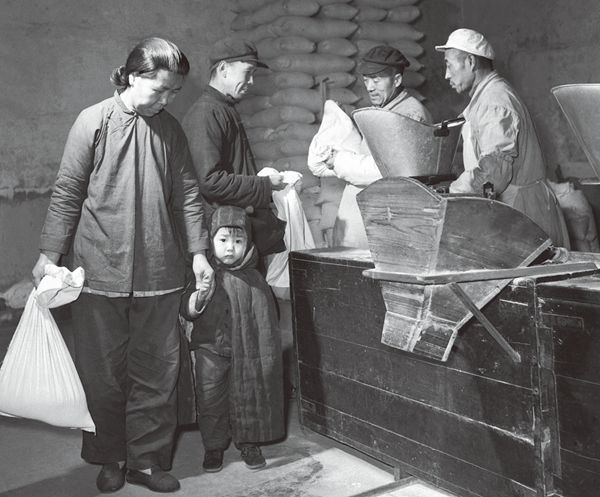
[{"x": 56, "y": 58}]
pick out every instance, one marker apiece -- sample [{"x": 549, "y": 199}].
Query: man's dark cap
[
  {"x": 233, "y": 49},
  {"x": 381, "y": 58}
]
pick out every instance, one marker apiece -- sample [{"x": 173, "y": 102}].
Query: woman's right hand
[{"x": 39, "y": 268}]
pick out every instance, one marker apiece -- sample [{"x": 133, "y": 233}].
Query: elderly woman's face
[{"x": 151, "y": 94}]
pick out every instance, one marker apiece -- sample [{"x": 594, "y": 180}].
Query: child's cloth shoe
[
  {"x": 213, "y": 461},
  {"x": 253, "y": 457}
]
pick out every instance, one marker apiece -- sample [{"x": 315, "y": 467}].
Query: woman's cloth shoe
[
  {"x": 111, "y": 478},
  {"x": 157, "y": 481},
  {"x": 213, "y": 461},
  {"x": 253, "y": 457}
]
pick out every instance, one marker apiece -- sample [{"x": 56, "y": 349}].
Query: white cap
[{"x": 470, "y": 41}]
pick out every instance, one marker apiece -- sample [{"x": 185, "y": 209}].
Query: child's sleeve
[{"x": 189, "y": 289}]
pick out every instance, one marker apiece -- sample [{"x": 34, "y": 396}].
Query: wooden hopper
[
  {"x": 580, "y": 104},
  {"x": 402, "y": 146},
  {"x": 416, "y": 234}
]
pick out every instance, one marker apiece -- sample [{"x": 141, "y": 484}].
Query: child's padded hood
[{"x": 230, "y": 216}]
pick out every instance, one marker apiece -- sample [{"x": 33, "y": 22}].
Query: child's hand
[
  {"x": 200, "y": 298},
  {"x": 202, "y": 269}
]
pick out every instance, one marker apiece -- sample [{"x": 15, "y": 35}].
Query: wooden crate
[{"x": 479, "y": 424}]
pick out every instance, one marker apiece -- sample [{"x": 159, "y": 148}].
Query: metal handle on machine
[{"x": 442, "y": 129}]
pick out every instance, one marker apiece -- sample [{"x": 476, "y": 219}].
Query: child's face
[{"x": 229, "y": 245}]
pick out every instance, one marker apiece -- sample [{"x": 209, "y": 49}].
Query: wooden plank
[
  {"x": 576, "y": 336},
  {"x": 578, "y": 406},
  {"x": 566, "y": 269},
  {"x": 489, "y": 327},
  {"x": 475, "y": 442},
  {"x": 402, "y": 221},
  {"x": 484, "y": 234},
  {"x": 571, "y": 310},
  {"x": 462, "y": 477},
  {"x": 547, "y": 446},
  {"x": 475, "y": 397},
  {"x": 577, "y": 482}
]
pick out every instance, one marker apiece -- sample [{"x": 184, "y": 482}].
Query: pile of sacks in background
[{"x": 312, "y": 48}]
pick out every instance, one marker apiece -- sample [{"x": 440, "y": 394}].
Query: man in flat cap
[
  {"x": 220, "y": 149},
  {"x": 500, "y": 144},
  {"x": 382, "y": 69}
]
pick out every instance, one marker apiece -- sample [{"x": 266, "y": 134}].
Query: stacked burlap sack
[{"x": 311, "y": 47}]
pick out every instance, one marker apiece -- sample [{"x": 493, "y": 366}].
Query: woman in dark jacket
[{"x": 125, "y": 196}]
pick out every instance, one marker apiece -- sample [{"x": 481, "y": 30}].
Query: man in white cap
[{"x": 500, "y": 144}]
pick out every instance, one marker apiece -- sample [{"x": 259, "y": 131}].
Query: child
[{"x": 237, "y": 347}]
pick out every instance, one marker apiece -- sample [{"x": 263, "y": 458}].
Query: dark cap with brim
[
  {"x": 382, "y": 58},
  {"x": 235, "y": 49}
]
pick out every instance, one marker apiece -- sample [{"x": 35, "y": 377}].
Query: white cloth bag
[
  {"x": 297, "y": 234},
  {"x": 38, "y": 379},
  {"x": 337, "y": 131}
]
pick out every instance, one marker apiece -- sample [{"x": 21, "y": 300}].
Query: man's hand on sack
[
  {"x": 277, "y": 182},
  {"x": 330, "y": 160}
]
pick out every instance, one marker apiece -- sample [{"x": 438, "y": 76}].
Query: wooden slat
[
  {"x": 576, "y": 328},
  {"x": 579, "y": 404},
  {"x": 464, "y": 394},
  {"x": 575, "y": 481},
  {"x": 450, "y": 474},
  {"x": 489, "y": 327},
  {"x": 566, "y": 269},
  {"x": 421, "y": 436}
]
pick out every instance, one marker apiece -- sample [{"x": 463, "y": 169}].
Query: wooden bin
[{"x": 478, "y": 424}]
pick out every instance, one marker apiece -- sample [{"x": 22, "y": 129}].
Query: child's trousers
[{"x": 212, "y": 398}]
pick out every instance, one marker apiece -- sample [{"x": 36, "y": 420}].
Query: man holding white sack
[
  {"x": 500, "y": 144},
  {"x": 220, "y": 149},
  {"x": 382, "y": 69}
]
